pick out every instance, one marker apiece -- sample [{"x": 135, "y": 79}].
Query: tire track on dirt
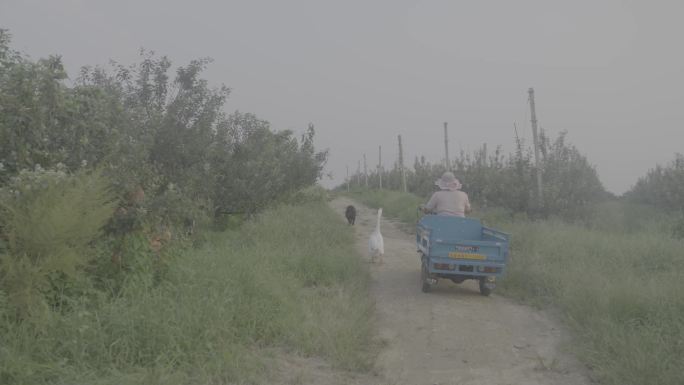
[{"x": 454, "y": 335}]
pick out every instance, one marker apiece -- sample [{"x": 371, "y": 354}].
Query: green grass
[
  {"x": 394, "y": 205},
  {"x": 616, "y": 280},
  {"x": 289, "y": 281}
]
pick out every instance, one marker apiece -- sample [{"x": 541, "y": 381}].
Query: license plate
[{"x": 459, "y": 255}]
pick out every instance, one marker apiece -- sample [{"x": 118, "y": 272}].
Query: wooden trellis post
[
  {"x": 535, "y": 139},
  {"x": 401, "y": 165},
  {"x": 380, "y": 166}
]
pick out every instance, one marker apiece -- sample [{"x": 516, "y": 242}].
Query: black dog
[{"x": 350, "y": 213}]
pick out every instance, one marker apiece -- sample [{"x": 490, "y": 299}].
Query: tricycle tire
[
  {"x": 484, "y": 290},
  {"x": 424, "y": 275}
]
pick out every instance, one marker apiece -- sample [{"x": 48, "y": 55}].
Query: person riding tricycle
[
  {"x": 449, "y": 200},
  {"x": 455, "y": 247}
]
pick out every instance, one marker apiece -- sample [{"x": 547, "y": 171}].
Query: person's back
[
  {"x": 446, "y": 202},
  {"x": 449, "y": 200}
]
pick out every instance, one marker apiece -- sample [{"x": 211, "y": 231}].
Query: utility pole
[
  {"x": 380, "y": 165},
  {"x": 347, "y": 178},
  {"x": 401, "y": 165},
  {"x": 358, "y": 173},
  {"x": 515, "y": 128},
  {"x": 542, "y": 148},
  {"x": 365, "y": 170},
  {"x": 535, "y": 139},
  {"x": 446, "y": 148},
  {"x": 484, "y": 154}
]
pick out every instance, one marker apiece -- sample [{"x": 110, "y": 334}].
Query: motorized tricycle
[{"x": 458, "y": 249}]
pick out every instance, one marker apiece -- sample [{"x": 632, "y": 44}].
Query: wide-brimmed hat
[{"x": 448, "y": 182}]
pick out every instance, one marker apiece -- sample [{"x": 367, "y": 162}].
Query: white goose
[{"x": 376, "y": 244}]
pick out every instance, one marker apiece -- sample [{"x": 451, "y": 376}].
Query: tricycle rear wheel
[
  {"x": 484, "y": 290},
  {"x": 424, "y": 277}
]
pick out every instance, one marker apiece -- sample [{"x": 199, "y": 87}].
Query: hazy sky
[{"x": 609, "y": 72}]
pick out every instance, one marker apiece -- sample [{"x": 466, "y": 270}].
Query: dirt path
[{"x": 454, "y": 335}]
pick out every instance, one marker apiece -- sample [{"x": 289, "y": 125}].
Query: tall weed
[
  {"x": 620, "y": 292},
  {"x": 49, "y": 219},
  {"x": 290, "y": 281}
]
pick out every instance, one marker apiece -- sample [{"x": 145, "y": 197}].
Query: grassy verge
[
  {"x": 620, "y": 292},
  {"x": 394, "y": 204},
  {"x": 290, "y": 280}
]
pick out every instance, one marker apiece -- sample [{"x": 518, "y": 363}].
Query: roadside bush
[
  {"x": 288, "y": 282},
  {"x": 678, "y": 227},
  {"x": 313, "y": 194},
  {"x": 662, "y": 186},
  {"x": 571, "y": 183},
  {"x": 49, "y": 219},
  {"x": 159, "y": 135}
]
